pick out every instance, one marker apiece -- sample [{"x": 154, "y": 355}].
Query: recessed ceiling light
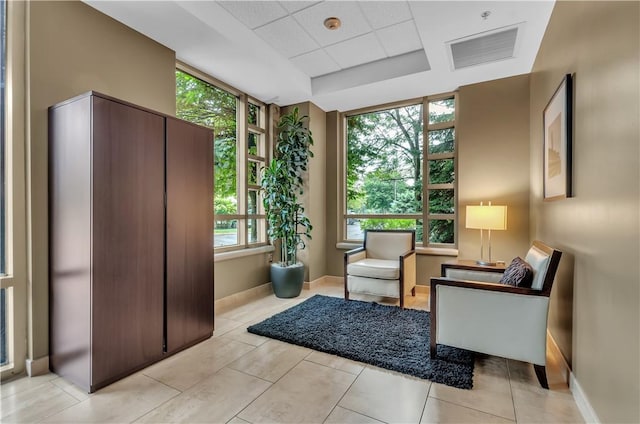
[{"x": 332, "y": 23}]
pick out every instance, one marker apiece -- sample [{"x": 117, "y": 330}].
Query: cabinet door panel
[
  {"x": 128, "y": 239},
  {"x": 189, "y": 234},
  {"x": 70, "y": 241}
]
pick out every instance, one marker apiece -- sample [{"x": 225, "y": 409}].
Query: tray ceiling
[{"x": 280, "y": 52}]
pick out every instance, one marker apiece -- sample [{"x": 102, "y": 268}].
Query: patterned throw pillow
[{"x": 518, "y": 274}]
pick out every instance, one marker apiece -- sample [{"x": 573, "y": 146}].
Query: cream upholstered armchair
[
  {"x": 471, "y": 309},
  {"x": 384, "y": 266}
]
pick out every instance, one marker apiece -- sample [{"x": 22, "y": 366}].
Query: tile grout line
[
  {"x": 256, "y": 398},
  {"x": 63, "y": 409},
  {"x": 344, "y": 394},
  {"x": 473, "y": 409},
  {"x": 513, "y": 401},
  {"x": 264, "y": 379},
  {"x": 424, "y": 407}
]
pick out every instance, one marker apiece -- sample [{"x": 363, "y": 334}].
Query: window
[
  {"x": 240, "y": 153},
  {"x": 398, "y": 179}
]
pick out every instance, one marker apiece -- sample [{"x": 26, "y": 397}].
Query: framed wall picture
[{"x": 558, "y": 122}]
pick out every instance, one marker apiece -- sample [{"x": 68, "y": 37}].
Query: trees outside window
[
  {"x": 395, "y": 179},
  {"x": 240, "y": 152}
]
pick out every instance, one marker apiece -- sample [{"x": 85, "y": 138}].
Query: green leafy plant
[{"x": 282, "y": 183}]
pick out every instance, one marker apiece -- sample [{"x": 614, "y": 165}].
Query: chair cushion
[
  {"x": 373, "y": 286},
  {"x": 388, "y": 244},
  {"x": 539, "y": 261},
  {"x": 518, "y": 273},
  {"x": 375, "y": 268}
]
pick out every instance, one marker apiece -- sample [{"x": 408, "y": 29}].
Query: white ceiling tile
[
  {"x": 254, "y": 13},
  {"x": 353, "y": 21},
  {"x": 363, "y": 49},
  {"x": 208, "y": 37},
  {"x": 316, "y": 63},
  {"x": 287, "y": 37},
  {"x": 400, "y": 38},
  {"x": 294, "y": 6},
  {"x": 384, "y": 13}
]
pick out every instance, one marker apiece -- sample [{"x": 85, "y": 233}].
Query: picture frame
[{"x": 557, "y": 146}]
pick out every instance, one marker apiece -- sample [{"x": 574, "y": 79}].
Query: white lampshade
[{"x": 487, "y": 217}]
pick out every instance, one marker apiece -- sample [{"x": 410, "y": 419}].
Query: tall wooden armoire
[{"x": 130, "y": 237}]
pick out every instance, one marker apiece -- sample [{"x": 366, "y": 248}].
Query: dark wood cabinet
[
  {"x": 189, "y": 256},
  {"x": 131, "y": 238}
]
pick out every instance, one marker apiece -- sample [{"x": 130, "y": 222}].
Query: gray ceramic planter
[{"x": 287, "y": 281}]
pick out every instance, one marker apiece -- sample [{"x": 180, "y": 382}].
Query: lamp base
[{"x": 485, "y": 263}]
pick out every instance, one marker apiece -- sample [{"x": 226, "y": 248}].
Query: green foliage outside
[
  {"x": 384, "y": 161},
  {"x": 207, "y": 105},
  {"x": 384, "y": 169}
]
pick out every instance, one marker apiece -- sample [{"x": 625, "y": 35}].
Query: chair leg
[
  {"x": 401, "y": 302},
  {"x": 432, "y": 325},
  {"x": 542, "y": 375}
]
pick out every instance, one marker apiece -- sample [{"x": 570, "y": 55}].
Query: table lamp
[{"x": 486, "y": 217}]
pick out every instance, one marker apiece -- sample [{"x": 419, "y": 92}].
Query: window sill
[
  {"x": 429, "y": 251},
  {"x": 436, "y": 251},
  {"x": 234, "y": 254}
]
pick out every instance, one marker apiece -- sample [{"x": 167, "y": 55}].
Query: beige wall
[
  {"x": 314, "y": 196},
  {"x": 594, "y": 313},
  {"x": 235, "y": 275},
  {"x": 334, "y": 257},
  {"x": 317, "y": 194},
  {"x": 72, "y": 49},
  {"x": 493, "y": 164}
]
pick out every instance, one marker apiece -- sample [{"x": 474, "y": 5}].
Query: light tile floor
[{"x": 237, "y": 377}]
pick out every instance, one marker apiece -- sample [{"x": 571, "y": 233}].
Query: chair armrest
[
  {"x": 470, "y": 270},
  {"x": 479, "y": 285},
  {"x": 355, "y": 255},
  {"x": 408, "y": 268},
  {"x": 408, "y": 253},
  {"x": 469, "y": 267}
]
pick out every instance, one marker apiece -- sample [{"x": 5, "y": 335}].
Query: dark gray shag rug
[{"x": 384, "y": 336}]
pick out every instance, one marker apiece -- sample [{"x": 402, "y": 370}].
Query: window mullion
[
  {"x": 255, "y": 129},
  {"x": 447, "y": 186},
  {"x": 425, "y": 171},
  {"x": 440, "y": 125},
  {"x": 243, "y": 165},
  {"x": 437, "y": 156},
  {"x": 441, "y": 216}
]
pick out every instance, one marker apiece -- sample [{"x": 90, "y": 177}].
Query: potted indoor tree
[{"x": 282, "y": 183}]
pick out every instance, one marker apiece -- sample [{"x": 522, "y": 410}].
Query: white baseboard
[
  {"x": 587, "y": 411},
  {"x": 38, "y": 366},
  {"x": 584, "y": 406}
]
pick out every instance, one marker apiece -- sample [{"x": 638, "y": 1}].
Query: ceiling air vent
[{"x": 478, "y": 49}]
